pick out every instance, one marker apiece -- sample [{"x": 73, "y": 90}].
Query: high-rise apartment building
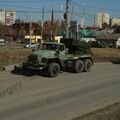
[
  {"x": 115, "y": 21},
  {"x": 101, "y": 18},
  {"x": 7, "y": 17},
  {"x": 98, "y": 20}
]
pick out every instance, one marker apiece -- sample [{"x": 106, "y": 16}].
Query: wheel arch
[{"x": 54, "y": 60}]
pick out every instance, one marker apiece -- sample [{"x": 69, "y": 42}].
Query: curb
[
  {"x": 7, "y": 68},
  {"x": 2, "y": 68}
]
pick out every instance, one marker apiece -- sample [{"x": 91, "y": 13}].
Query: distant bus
[{"x": 2, "y": 42}]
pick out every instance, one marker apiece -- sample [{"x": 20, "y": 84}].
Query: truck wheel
[
  {"x": 53, "y": 69},
  {"x": 87, "y": 65},
  {"x": 78, "y": 66}
]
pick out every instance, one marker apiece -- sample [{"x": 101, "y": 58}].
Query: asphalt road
[{"x": 62, "y": 98}]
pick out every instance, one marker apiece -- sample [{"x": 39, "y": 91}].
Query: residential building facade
[
  {"x": 115, "y": 21},
  {"x": 7, "y": 17},
  {"x": 100, "y": 19}
]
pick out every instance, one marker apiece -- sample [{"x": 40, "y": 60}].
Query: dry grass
[
  {"x": 105, "y": 54},
  {"x": 12, "y": 56},
  {"x": 108, "y": 113}
]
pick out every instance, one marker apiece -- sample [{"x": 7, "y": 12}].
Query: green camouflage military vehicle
[{"x": 55, "y": 57}]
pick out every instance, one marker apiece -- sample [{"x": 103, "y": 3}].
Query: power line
[
  {"x": 95, "y": 7},
  {"x": 47, "y": 11},
  {"x": 40, "y": 11},
  {"x": 24, "y": 1},
  {"x": 77, "y": 14},
  {"x": 44, "y": 1},
  {"x": 16, "y": 6},
  {"x": 34, "y": 1}
]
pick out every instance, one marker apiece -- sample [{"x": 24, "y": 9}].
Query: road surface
[{"x": 62, "y": 98}]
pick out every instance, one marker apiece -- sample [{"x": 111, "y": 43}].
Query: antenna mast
[{"x": 84, "y": 15}]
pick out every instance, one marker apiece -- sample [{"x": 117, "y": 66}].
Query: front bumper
[{"x": 32, "y": 66}]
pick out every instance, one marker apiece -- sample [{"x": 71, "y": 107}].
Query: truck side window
[{"x": 61, "y": 47}]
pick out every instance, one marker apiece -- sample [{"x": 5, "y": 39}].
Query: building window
[{"x": 11, "y": 14}]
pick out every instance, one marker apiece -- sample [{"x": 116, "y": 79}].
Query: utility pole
[
  {"x": 52, "y": 25},
  {"x": 72, "y": 12},
  {"x": 67, "y": 18},
  {"x": 30, "y": 31},
  {"x": 84, "y": 11},
  {"x": 42, "y": 26},
  {"x": 84, "y": 15}
]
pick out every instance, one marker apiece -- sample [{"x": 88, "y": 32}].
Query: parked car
[
  {"x": 31, "y": 46},
  {"x": 2, "y": 42},
  {"x": 118, "y": 43}
]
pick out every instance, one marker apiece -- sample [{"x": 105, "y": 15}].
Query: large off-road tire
[
  {"x": 78, "y": 66},
  {"x": 53, "y": 69},
  {"x": 87, "y": 65}
]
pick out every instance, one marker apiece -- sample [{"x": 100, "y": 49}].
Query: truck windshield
[{"x": 49, "y": 47}]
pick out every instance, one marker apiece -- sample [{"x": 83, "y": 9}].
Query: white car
[
  {"x": 118, "y": 43},
  {"x": 31, "y": 46},
  {"x": 2, "y": 42}
]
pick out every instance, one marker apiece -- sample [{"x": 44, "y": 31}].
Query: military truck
[{"x": 55, "y": 57}]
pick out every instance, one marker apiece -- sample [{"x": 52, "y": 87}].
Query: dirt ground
[
  {"x": 106, "y": 54},
  {"x": 12, "y": 56},
  {"x": 109, "y": 113}
]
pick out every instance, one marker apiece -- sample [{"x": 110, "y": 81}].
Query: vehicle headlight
[{"x": 33, "y": 58}]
